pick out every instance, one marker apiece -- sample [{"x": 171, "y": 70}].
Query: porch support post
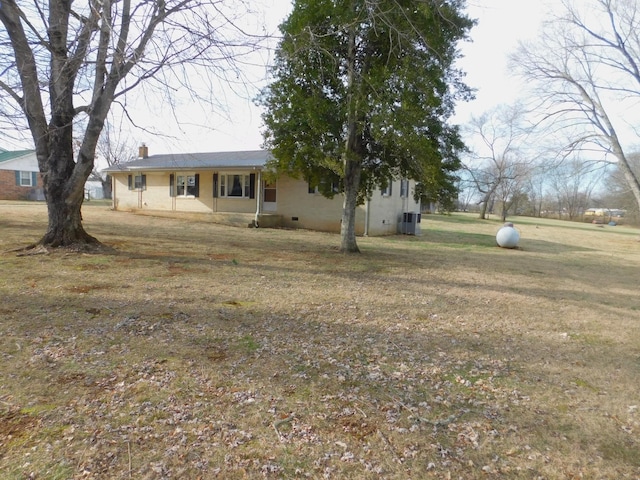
[
  {"x": 367, "y": 212},
  {"x": 258, "y": 197}
]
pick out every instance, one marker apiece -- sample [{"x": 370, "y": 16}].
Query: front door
[{"x": 269, "y": 194}]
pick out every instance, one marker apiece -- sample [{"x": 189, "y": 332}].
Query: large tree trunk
[
  {"x": 352, "y": 161},
  {"x": 627, "y": 171},
  {"x": 353, "y": 172},
  {"x": 64, "y": 181},
  {"x": 65, "y": 225}
]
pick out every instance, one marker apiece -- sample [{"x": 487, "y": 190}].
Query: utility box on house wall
[{"x": 410, "y": 223}]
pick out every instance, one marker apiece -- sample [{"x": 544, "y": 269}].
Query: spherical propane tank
[{"x": 508, "y": 236}]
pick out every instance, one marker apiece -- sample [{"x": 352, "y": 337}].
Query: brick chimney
[{"x": 143, "y": 151}]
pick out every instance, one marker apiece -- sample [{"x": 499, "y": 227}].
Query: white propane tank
[{"x": 508, "y": 236}]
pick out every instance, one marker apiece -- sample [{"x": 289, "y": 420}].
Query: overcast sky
[{"x": 501, "y": 24}]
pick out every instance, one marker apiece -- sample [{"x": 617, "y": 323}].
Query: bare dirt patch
[{"x": 195, "y": 350}]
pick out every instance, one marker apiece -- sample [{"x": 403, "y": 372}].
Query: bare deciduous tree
[
  {"x": 572, "y": 183},
  {"x": 587, "y": 67},
  {"x": 497, "y": 161},
  {"x": 617, "y": 193},
  {"x": 114, "y": 147},
  {"x": 66, "y": 63},
  {"x": 535, "y": 190}
]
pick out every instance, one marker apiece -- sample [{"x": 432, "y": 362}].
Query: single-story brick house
[
  {"x": 19, "y": 176},
  {"x": 230, "y": 187}
]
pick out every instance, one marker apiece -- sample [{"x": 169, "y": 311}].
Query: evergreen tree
[{"x": 362, "y": 93}]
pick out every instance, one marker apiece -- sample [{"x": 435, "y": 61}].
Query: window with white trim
[
  {"x": 187, "y": 185},
  {"x": 235, "y": 185},
  {"x": 25, "y": 179}
]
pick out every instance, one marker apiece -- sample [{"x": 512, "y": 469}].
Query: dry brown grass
[{"x": 203, "y": 351}]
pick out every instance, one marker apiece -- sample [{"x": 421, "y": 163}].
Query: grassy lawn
[{"x": 202, "y": 351}]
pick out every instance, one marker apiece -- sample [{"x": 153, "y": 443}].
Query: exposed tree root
[
  {"x": 22, "y": 251},
  {"x": 33, "y": 250},
  {"x": 79, "y": 247}
]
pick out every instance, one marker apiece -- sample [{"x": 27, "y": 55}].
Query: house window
[
  {"x": 25, "y": 179},
  {"x": 404, "y": 188},
  {"x": 386, "y": 191},
  {"x": 335, "y": 188},
  {"x": 238, "y": 186},
  {"x": 187, "y": 185},
  {"x": 137, "y": 182}
]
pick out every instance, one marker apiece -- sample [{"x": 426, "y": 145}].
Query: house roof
[
  {"x": 192, "y": 161},
  {"x": 5, "y": 155}
]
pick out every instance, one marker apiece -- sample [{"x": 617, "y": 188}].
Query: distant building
[
  {"x": 604, "y": 215},
  {"x": 93, "y": 190}
]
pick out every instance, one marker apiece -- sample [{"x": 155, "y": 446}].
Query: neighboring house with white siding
[{"x": 231, "y": 188}]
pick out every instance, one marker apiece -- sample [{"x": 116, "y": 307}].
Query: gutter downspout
[
  {"x": 215, "y": 193},
  {"x": 366, "y": 217},
  {"x": 113, "y": 192},
  {"x": 259, "y": 186}
]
